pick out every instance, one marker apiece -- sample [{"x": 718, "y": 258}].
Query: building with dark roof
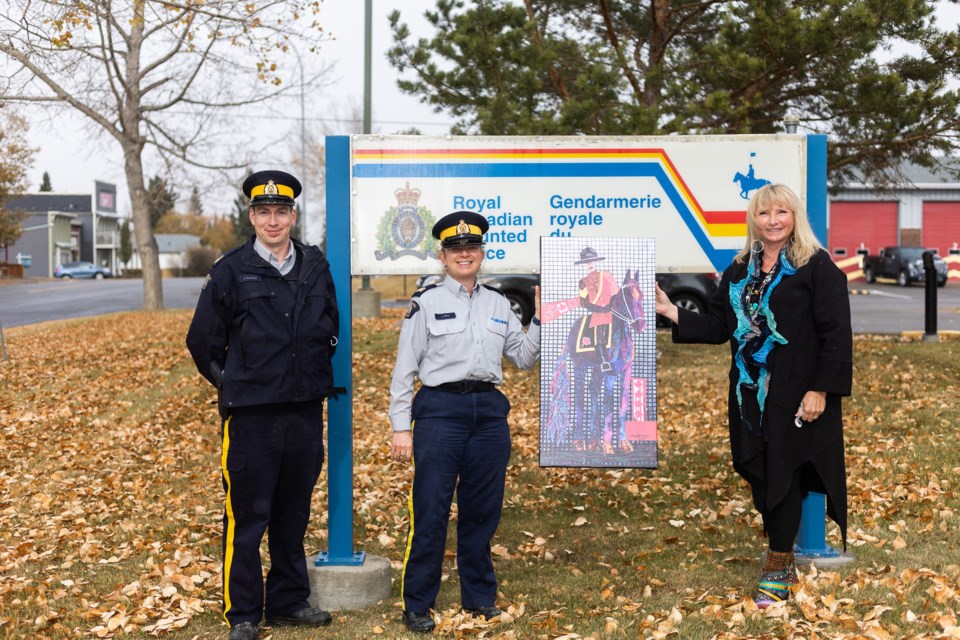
[{"x": 62, "y": 227}]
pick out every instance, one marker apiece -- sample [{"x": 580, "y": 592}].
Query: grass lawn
[{"x": 111, "y": 499}]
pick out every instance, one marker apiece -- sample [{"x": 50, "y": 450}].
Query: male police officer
[
  {"x": 454, "y": 338},
  {"x": 263, "y": 333}
]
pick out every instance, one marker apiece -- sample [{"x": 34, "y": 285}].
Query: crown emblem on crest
[
  {"x": 403, "y": 229},
  {"x": 462, "y": 228},
  {"x": 407, "y": 196},
  {"x": 270, "y": 189}
]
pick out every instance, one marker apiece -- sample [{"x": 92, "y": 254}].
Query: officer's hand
[{"x": 402, "y": 447}]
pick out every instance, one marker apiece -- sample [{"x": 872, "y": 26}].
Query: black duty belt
[{"x": 467, "y": 386}]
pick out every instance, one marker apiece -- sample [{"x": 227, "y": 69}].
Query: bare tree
[
  {"x": 159, "y": 74},
  {"x": 340, "y": 119}
]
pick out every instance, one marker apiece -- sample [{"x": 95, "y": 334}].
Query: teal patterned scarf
[{"x": 756, "y": 333}]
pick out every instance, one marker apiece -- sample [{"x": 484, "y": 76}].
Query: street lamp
[
  {"x": 367, "y": 91},
  {"x": 303, "y": 149}
]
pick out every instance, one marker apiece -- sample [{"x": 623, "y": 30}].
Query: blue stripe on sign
[{"x": 720, "y": 258}]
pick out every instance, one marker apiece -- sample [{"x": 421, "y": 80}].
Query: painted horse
[{"x": 602, "y": 374}]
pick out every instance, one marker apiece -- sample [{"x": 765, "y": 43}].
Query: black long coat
[{"x": 812, "y": 311}]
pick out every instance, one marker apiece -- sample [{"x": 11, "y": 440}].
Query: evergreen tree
[
  {"x": 45, "y": 184},
  {"x": 160, "y": 199},
  {"x": 195, "y": 207},
  {"x": 242, "y": 227},
  {"x": 126, "y": 243},
  {"x": 696, "y": 67}
]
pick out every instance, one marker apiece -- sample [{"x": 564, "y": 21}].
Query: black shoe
[
  {"x": 307, "y": 617},
  {"x": 487, "y": 612},
  {"x": 419, "y": 622},
  {"x": 244, "y": 631}
]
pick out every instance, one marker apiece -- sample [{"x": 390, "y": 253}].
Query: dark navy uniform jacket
[{"x": 272, "y": 341}]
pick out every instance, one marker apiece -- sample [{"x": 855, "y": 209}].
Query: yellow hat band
[
  {"x": 452, "y": 231},
  {"x": 276, "y": 189}
]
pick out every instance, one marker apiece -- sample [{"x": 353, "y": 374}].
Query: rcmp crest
[{"x": 403, "y": 229}]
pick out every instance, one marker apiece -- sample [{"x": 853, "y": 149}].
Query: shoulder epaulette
[
  {"x": 230, "y": 252},
  {"x": 486, "y": 286},
  {"x": 419, "y": 292}
]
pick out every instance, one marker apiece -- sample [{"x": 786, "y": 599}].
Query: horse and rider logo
[
  {"x": 403, "y": 228},
  {"x": 748, "y": 182}
]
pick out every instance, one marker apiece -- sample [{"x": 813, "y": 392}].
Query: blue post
[
  {"x": 812, "y": 537},
  {"x": 340, "y": 409},
  {"x": 817, "y": 185}
]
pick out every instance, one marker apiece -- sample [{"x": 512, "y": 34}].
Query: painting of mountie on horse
[
  {"x": 748, "y": 182},
  {"x": 592, "y": 380}
]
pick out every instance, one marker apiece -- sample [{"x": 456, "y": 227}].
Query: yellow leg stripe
[
  {"x": 406, "y": 554},
  {"x": 231, "y": 523}
]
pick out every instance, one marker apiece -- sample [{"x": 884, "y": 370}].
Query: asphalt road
[{"x": 876, "y": 308}]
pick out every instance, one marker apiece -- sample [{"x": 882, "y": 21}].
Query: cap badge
[
  {"x": 270, "y": 189},
  {"x": 462, "y": 228}
]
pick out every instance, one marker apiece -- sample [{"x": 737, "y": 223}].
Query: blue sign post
[{"x": 339, "y": 408}]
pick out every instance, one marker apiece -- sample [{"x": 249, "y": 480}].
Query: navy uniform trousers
[
  {"x": 271, "y": 459},
  {"x": 461, "y": 436}
]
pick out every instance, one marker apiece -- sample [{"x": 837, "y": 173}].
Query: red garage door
[
  {"x": 941, "y": 226},
  {"x": 872, "y": 225}
]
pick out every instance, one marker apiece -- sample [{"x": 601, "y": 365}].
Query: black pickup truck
[{"x": 905, "y": 264}]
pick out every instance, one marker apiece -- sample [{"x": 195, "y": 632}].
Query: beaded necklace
[{"x": 755, "y": 289}]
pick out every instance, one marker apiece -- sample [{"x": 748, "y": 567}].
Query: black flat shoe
[
  {"x": 419, "y": 622},
  {"x": 488, "y": 612},
  {"x": 244, "y": 631},
  {"x": 308, "y": 617}
]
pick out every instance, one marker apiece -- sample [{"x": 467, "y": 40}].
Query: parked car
[
  {"x": 69, "y": 270},
  {"x": 688, "y": 290},
  {"x": 903, "y": 263}
]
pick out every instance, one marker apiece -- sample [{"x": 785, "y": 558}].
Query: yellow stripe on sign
[
  {"x": 406, "y": 554},
  {"x": 231, "y": 522},
  {"x": 726, "y": 229}
]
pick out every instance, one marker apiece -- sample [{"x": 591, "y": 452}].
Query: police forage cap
[
  {"x": 588, "y": 255},
  {"x": 460, "y": 228},
  {"x": 271, "y": 187}
]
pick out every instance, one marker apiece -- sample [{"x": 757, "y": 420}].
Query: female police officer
[{"x": 453, "y": 338}]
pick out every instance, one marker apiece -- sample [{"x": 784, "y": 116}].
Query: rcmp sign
[{"x": 688, "y": 192}]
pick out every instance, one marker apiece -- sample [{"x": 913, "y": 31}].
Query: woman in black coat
[{"x": 784, "y": 307}]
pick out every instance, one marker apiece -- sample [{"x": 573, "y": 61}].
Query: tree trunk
[
  {"x": 132, "y": 142},
  {"x": 146, "y": 243}
]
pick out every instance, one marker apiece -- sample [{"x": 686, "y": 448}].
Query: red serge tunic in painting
[
  {"x": 812, "y": 311},
  {"x": 597, "y": 288}
]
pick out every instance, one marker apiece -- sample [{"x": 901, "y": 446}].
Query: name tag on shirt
[
  {"x": 249, "y": 277},
  {"x": 499, "y": 321},
  {"x": 445, "y": 316}
]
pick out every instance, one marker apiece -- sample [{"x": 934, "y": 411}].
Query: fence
[{"x": 9, "y": 270}]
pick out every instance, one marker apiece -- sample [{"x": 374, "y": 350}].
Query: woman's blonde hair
[{"x": 802, "y": 245}]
